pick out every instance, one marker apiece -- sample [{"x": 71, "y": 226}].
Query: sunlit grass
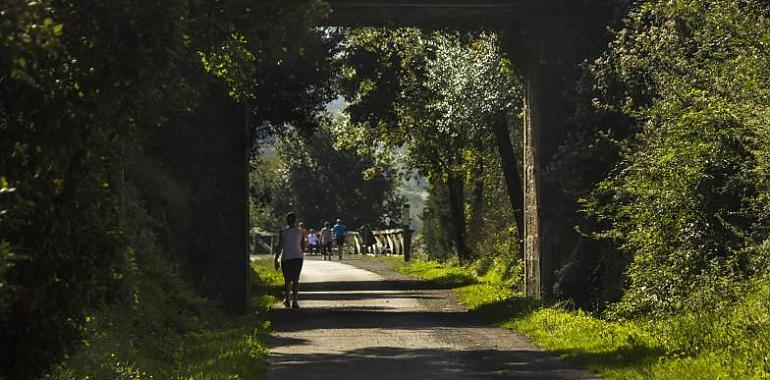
[
  {"x": 731, "y": 344},
  {"x": 443, "y": 275}
]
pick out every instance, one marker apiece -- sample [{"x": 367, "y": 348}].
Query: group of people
[
  {"x": 321, "y": 242},
  {"x": 293, "y": 241}
]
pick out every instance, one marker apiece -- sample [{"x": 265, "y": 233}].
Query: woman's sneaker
[
  {"x": 286, "y": 303},
  {"x": 295, "y": 305}
]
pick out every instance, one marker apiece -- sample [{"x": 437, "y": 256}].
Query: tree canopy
[
  {"x": 319, "y": 181},
  {"x": 102, "y": 106},
  {"x": 433, "y": 98},
  {"x": 687, "y": 198}
]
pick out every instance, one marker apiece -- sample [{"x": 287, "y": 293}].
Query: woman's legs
[
  {"x": 295, "y": 291},
  {"x": 291, "y": 272},
  {"x": 327, "y": 250},
  {"x": 290, "y": 291},
  {"x": 286, "y": 292}
]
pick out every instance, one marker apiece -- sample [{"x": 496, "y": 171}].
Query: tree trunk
[
  {"x": 477, "y": 203},
  {"x": 511, "y": 174},
  {"x": 457, "y": 213}
]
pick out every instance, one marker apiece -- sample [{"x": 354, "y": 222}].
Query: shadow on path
[
  {"x": 362, "y": 295},
  {"x": 356, "y": 324},
  {"x": 395, "y": 363},
  {"x": 372, "y": 285},
  {"x": 361, "y": 317}
]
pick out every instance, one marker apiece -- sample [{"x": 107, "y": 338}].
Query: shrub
[{"x": 686, "y": 199}]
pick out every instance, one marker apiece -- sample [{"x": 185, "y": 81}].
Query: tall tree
[
  {"x": 436, "y": 95},
  {"x": 322, "y": 182}
]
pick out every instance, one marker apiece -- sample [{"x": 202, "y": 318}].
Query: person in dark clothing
[{"x": 367, "y": 237}]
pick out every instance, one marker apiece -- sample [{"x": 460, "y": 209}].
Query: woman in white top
[{"x": 290, "y": 247}]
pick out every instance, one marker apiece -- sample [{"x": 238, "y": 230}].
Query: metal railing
[{"x": 396, "y": 241}]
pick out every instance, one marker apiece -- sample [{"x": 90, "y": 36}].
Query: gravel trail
[{"x": 361, "y": 320}]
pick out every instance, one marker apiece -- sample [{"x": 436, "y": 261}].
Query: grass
[
  {"x": 168, "y": 331},
  {"x": 726, "y": 342},
  {"x": 442, "y": 275}
]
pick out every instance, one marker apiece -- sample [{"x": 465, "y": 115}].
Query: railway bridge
[{"x": 547, "y": 40}]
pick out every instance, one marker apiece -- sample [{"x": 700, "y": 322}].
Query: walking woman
[
  {"x": 291, "y": 244},
  {"x": 327, "y": 237}
]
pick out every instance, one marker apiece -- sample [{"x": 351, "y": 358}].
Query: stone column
[
  {"x": 552, "y": 40},
  {"x": 214, "y": 161},
  {"x": 234, "y": 227},
  {"x": 543, "y": 128}
]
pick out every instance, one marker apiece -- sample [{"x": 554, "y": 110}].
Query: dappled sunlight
[{"x": 498, "y": 188}]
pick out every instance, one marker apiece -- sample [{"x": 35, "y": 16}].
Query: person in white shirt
[
  {"x": 291, "y": 244},
  {"x": 312, "y": 242}
]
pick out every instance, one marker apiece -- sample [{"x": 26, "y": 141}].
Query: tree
[
  {"x": 689, "y": 82},
  {"x": 102, "y": 106},
  {"x": 437, "y": 96},
  {"x": 79, "y": 81},
  {"x": 325, "y": 182}
]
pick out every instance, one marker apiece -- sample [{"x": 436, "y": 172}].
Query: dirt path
[{"x": 373, "y": 323}]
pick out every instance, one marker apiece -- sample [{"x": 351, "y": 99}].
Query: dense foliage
[
  {"x": 688, "y": 198},
  {"x": 102, "y": 109},
  {"x": 71, "y": 89},
  {"x": 432, "y": 99},
  {"x": 193, "y": 338},
  {"x": 311, "y": 176}
]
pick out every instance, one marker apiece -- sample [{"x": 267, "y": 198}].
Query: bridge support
[
  {"x": 235, "y": 270},
  {"x": 557, "y": 36},
  {"x": 548, "y": 39},
  {"x": 407, "y": 243},
  {"x": 542, "y": 123},
  {"x": 220, "y": 252}
]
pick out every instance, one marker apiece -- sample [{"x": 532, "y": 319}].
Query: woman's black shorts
[{"x": 291, "y": 269}]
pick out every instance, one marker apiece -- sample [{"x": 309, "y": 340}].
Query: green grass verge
[
  {"x": 731, "y": 342},
  {"x": 445, "y": 276},
  {"x": 168, "y": 331}
]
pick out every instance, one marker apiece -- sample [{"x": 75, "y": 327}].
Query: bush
[
  {"x": 732, "y": 321},
  {"x": 168, "y": 331},
  {"x": 499, "y": 260},
  {"x": 687, "y": 197},
  {"x": 72, "y": 99}
]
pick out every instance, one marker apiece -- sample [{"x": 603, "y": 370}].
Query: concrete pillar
[
  {"x": 553, "y": 51},
  {"x": 233, "y": 251},
  {"x": 214, "y": 161},
  {"x": 543, "y": 127}
]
